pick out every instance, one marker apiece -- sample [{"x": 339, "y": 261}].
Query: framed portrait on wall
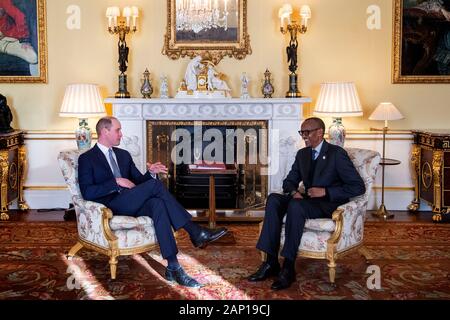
[
  {"x": 210, "y": 28},
  {"x": 421, "y": 41},
  {"x": 23, "y": 44}
]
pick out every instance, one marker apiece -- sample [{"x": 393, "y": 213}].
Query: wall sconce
[
  {"x": 122, "y": 27},
  {"x": 293, "y": 28}
]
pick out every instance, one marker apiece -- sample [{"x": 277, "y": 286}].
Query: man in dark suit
[
  {"x": 330, "y": 179},
  {"x": 109, "y": 176}
]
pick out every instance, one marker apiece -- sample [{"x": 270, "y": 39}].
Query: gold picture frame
[
  {"x": 214, "y": 44},
  {"x": 23, "y": 50},
  {"x": 420, "y": 31}
]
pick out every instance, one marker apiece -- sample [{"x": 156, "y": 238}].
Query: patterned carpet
[{"x": 414, "y": 259}]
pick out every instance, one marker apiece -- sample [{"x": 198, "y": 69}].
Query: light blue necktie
[
  {"x": 115, "y": 167},
  {"x": 314, "y": 154}
]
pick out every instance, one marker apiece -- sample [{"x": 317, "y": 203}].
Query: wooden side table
[
  {"x": 212, "y": 218},
  {"x": 382, "y": 211},
  {"x": 13, "y": 165}
]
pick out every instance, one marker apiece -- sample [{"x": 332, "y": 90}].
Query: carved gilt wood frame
[
  {"x": 209, "y": 50},
  {"x": 397, "y": 75}
]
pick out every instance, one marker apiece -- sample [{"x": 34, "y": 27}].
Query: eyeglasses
[{"x": 307, "y": 132}]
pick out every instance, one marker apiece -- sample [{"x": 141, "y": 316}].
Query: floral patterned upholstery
[
  {"x": 131, "y": 232},
  {"x": 331, "y": 238},
  {"x": 318, "y": 232}
]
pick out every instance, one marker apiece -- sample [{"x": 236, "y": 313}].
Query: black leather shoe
[
  {"x": 264, "y": 271},
  {"x": 180, "y": 277},
  {"x": 207, "y": 235},
  {"x": 284, "y": 280}
]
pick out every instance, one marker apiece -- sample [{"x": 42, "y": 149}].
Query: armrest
[
  {"x": 349, "y": 219},
  {"x": 93, "y": 222}
]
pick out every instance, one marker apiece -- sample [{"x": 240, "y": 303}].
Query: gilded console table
[
  {"x": 12, "y": 167},
  {"x": 431, "y": 164}
]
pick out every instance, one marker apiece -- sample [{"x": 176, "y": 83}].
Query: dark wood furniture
[
  {"x": 12, "y": 167},
  {"x": 431, "y": 164}
]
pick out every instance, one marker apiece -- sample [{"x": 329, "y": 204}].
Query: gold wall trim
[
  {"x": 46, "y": 135},
  {"x": 45, "y": 188},
  {"x": 394, "y": 188},
  {"x": 378, "y": 139}
]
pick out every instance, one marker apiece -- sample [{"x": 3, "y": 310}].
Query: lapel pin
[{"x": 324, "y": 157}]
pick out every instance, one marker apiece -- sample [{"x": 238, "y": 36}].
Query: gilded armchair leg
[
  {"x": 332, "y": 272},
  {"x": 73, "y": 251},
  {"x": 366, "y": 254},
  {"x": 113, "y": 266}
]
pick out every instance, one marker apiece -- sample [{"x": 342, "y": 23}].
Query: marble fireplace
[{"x": 147, "y": 125}]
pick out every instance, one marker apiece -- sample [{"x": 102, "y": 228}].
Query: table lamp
[
  {"x": 82, "y": 101},
  {"x": 385, "y": 111},
  {"x": 338, "y": 100}
]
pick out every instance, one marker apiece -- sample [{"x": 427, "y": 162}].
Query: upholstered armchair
[
  {"x": 98, "y": 229},
  {"x": 332, "y": 238}
]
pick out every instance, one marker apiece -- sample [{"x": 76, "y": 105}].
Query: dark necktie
[
  {"x": 115, "y": 167},
  {"x": 314, "y": 154}
]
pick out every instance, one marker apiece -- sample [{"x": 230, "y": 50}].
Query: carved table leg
[
  {"x": 4, "y": 166},
  {"x": 22, "y": 171},
  {"x": 438, "y": 157},
  {"x": 415, "y": 160}
]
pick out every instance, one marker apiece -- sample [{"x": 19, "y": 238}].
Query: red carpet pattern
[{"x": 414, "y": 260}]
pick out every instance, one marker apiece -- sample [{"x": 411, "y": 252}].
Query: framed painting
[
  {"x": 210, "y": 28},
  {"x": 23, "y": 44},
  {"x": 421, "y": 41}
]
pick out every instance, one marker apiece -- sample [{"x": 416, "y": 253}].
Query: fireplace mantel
[{"x": 283, "y": 115}]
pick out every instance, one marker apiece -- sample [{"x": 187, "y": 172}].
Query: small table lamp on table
[
  {"x": 337, "y": 100},
  {"x": 82, "y": 101},
  {"x": 385, "y": 111}
]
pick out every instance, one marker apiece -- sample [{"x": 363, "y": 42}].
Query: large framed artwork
[
  {"x": 421, "y": 41},
  {"x": 23, "y": 44},
  {"x": 210, "y": 28}
]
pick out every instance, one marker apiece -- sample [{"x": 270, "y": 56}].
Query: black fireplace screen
[{"x": 183, "y": 145}]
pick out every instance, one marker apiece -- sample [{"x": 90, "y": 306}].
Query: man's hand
[
  {"x": 316, "y": 192},
  {"x": 156, "y": 167},
  {"x": 125, "y": 183},
  {"x": 297, "y": 195}
]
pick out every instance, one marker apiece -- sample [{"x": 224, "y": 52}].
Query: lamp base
[
  {"x": 83, "y": 135},
  {"x": 123, "y": 92},
  {"x": 293, "y": 88},
  {"x": 383, "y": 213},
  {"x": 336, "y": 132}
]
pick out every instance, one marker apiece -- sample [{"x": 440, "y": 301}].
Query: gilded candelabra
[
  {"x": 293, "y": 28},
  {"x": 122, "y": 28}
]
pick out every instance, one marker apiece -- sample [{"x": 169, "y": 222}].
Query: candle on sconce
[
  {"x": 305, "y": 13},
  {"x": 225, "y": 5},
  {"x": 127, "y": 14},
  {"x": 135, "y": 15},
  {"x": 115, "y": 12},
  {"x": 109, "y": 16}
]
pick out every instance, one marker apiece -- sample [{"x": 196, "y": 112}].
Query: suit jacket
[
  {"x": 334, "y": 171},
  {"x": 95, "y": 177}
]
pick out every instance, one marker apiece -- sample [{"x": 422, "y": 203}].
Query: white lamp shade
[
  {"x": 338, "y": 99},
  {"x": 386, "y": 111},
  {"x": 82, "y": 101}
]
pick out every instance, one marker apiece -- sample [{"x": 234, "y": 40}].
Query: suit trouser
[
  {"x": 296, "y": 212},
  {"x": 152, "y": 199}
]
